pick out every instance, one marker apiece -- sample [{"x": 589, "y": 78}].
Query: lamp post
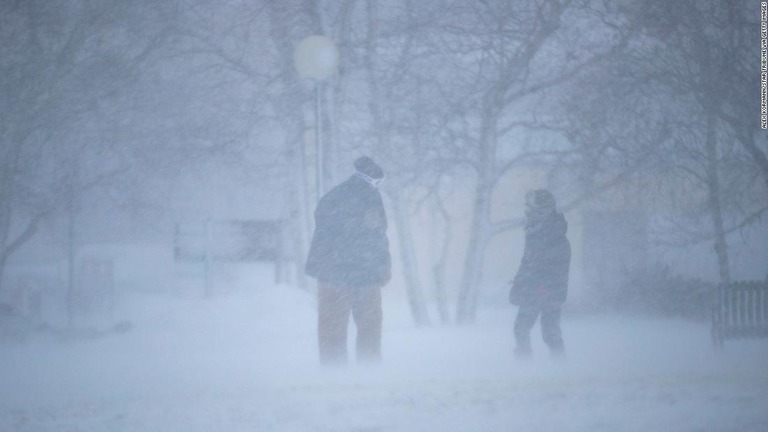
[{"x": 316, "y": 57}]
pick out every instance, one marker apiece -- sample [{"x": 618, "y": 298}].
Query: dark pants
[
  {"x": 334, "y": 305},
  {"x": 550, "y": 327}
]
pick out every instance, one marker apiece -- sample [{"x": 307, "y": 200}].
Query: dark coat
[
  {"x": 350, "y": 246},
  {"x": 543, "y": 274}
]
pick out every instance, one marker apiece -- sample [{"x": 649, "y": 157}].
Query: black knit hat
[
  {"x": 367, "y": 166},
  {"x": 540, "y": 199}
]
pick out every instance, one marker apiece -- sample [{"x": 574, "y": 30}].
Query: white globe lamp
[{"x": 316, "y": 57}]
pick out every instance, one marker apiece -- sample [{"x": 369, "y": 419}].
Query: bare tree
[
  {"x": 668, "y": 109},
  {"x": 529, "y": 51},
  {"x": 60, "y": 62}
]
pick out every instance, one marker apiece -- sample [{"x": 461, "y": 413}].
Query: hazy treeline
[{"x": 120, "y": 98}]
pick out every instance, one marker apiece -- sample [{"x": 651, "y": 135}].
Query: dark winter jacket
[
  {"x": 543, "y": 274},
  {"x": 350, "y": 246}
]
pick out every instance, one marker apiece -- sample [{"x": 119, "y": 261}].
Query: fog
[
  {"x": 161, "y": 164},
  {"x": 248, "y": 361}
]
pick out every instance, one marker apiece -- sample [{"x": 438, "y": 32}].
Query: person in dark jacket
[
  {"x": 540, "y": 286},
  {"x": 349, "y": 257}
]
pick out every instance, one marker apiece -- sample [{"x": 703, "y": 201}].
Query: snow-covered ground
[{"x": 246, "y": 361}]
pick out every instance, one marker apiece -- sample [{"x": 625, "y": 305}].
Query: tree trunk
[
  {"x": 5, "y": 219},
  {"x": 441, "y": 294},
  {"x": 479, "y": 233},
  {"x": 9, "y": 154},
  {"x": 715, "y": 205},
  {"x": 410, "y": 265},
  {"x": 71, "y": 250},
  {"x": 439, "y": 261},
  {"x": 473, "y": 264}
]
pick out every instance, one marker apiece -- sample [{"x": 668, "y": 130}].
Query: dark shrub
[{"x": 657, "y": 291}]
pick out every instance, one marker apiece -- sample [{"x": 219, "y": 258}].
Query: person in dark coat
[
  {"x": 349, "y": 256},
  {"x": 540, "y": 286}
]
